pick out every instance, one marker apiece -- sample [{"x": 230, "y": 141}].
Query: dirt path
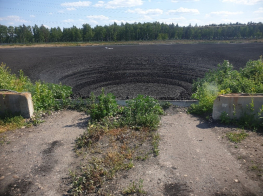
[
  {"x": 201, "y": 161},
  {"x": 37, "y": 159},
  {"x": 192, "y": 160}
]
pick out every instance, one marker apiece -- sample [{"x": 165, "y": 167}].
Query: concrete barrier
[
  {"x": 16, "y": 103},
  {"x": 235, "y": 105}
]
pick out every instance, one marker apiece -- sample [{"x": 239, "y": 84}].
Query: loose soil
[
  {"x": 195, "y": 159},
  {"x": 161, "y": 71}
]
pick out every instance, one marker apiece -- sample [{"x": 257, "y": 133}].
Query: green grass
[
  {"x": 10, "y": 122},
  {"x": 236, "y": 137}
]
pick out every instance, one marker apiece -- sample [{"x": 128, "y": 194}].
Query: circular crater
[{"x": 128, "y": 83}]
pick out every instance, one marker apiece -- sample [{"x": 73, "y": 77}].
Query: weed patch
[
  {"x": 134, "y": 188},
  {"x": 9, "y": 122},
  {"x": 236, "y": 137}
]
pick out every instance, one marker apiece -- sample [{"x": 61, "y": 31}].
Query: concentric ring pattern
[{"x": 161, "y": 71}]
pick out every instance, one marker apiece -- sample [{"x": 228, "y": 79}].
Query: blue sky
[{"x": 66, "y": 13}]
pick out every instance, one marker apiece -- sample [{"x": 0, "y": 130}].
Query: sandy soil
[
  {"x": 194, "y": 159},
  {"x": 161, "y": 71}
]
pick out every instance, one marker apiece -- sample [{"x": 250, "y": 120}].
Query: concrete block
[
  {"x": 16, "y": 103},
  {"x": 235, "y": 105}
]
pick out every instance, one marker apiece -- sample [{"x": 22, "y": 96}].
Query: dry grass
[{"x": 84, "y": 44}]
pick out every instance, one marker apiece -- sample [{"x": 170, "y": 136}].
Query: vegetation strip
[
  {"x": 115, "y": 139},
  {"x": 128, "y": 32}
]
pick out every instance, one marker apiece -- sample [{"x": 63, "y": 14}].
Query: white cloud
[
  {"x": 182, "y": 10},
  {"x": 32, "y": 16},
  {"x": 246, "y": 2},
  {"x": 176, "y": 1},
  {"x": 76, "y": 4},
  {"x": 50, "y": 13},
  {"x": 260, "y": 19},
  {"x": 98, "y": 17},
  {"x": 172, "y": 20},
  {"x": 122, "y": 3},
  {"x": 99, "y": 4},
  {"x": 47, "y": 26},
  {"x": 259, "y": 11},
  {"x": 68, "y": 20},
  {"x": 223, "y": 13},
  {"x": 71, "y": 8},
  {"x": 94, "y": 22},
  {"x": 146, "y": 12},
  {"x": 12, "y": 19}
]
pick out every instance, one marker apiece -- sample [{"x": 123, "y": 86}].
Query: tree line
[{"x": 129, "y": 32}]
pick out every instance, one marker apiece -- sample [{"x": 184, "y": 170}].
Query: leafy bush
[
  {"x": 11, "y": 81},
  {"x": 142, "y": 111},
  {"x": 106, "y": 106},
  {"x": 226, "y": 80},
  {"x": 43, "y": 94}
]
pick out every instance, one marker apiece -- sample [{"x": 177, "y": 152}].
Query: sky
[{"x": 66, "y": 13}]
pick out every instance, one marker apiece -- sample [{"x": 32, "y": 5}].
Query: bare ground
[
  {"x": 161, "y": 71},
  {"x": 195, "y": 159}
]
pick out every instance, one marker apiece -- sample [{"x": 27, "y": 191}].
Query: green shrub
[
  {"x": 226, "y": 80},
  {"x": 206, "y": 94},
  {"x": 106, "y": 106},
  {"x": 10, "y": 81},
  {"x": 224, "y": 118},
  {"x": 142, "y": 111}
]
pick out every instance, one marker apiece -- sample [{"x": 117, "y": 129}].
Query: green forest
[{"x": 129, "y": 32}]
